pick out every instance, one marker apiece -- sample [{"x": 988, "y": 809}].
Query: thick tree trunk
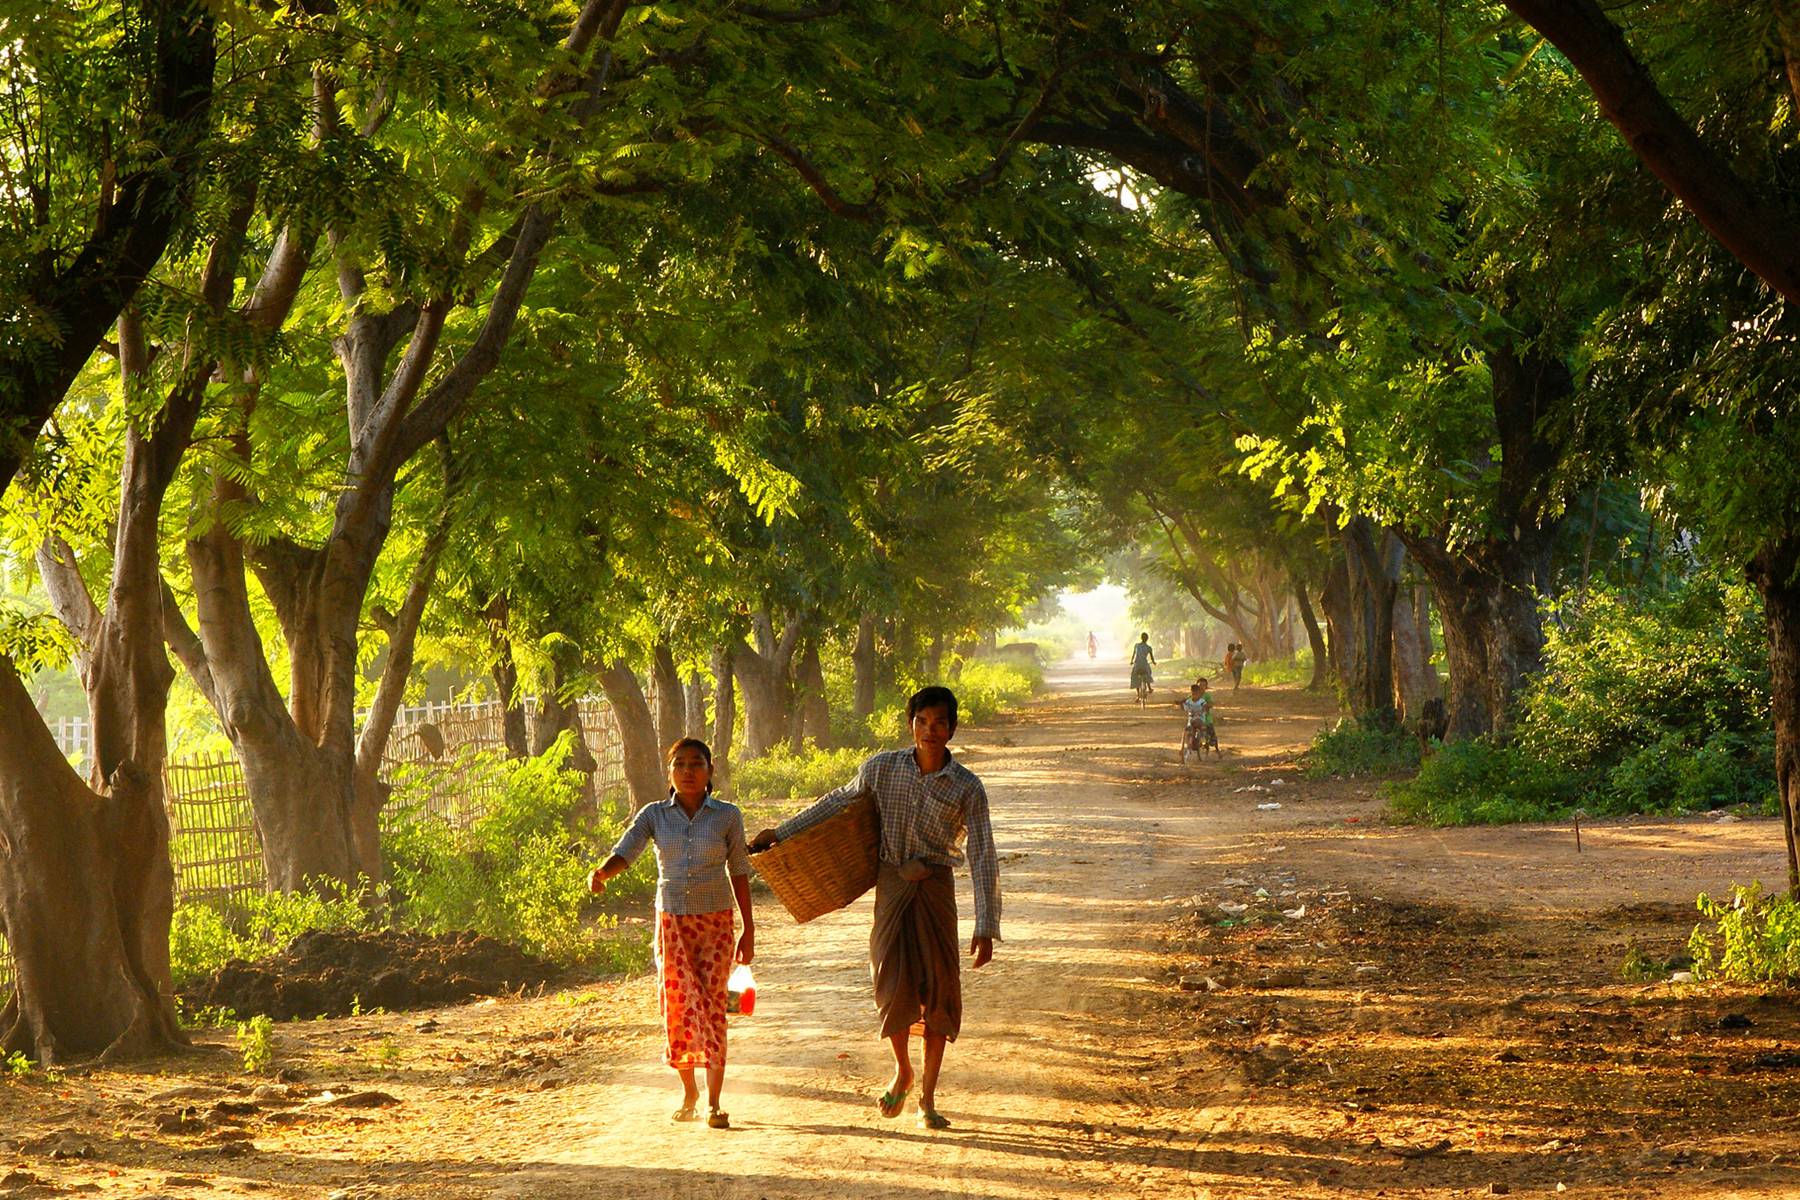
[
  {"x": 809, "y": 700},
  {"x": 1374, "y": 558},
  {"x": 84, "y": 899},
  {"x": 505, "y": 672},
  {"x": 1776, "y": 572},
  {"x": 693, "y": 707},
  {"x": 1415, "y": 680},
  {"x": 1341, "y": 644},
  {"x": 644, "y": 773},
  {"x": 863, "y": 661},
  {"x": 669, "y": 714},
  {"x": 1320, "y": 655},
  {"x": 762, "y": 675},
  {"x": 555, "y": 716}
]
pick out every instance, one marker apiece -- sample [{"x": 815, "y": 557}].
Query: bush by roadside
[{"x": 1647, "y": 704}]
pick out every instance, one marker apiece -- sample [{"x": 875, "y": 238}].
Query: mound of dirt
[{"x": 328, "y": 974}]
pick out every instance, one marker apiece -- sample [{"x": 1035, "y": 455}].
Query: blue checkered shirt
[
  {"x": 694, "y": 859},
  {"x": 923, "y": 816}
]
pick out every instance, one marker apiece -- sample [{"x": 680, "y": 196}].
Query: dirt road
[{"x": 1195, "y": 996}]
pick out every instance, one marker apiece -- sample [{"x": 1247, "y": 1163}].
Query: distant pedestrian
[{"x": 1235, "y": 658}]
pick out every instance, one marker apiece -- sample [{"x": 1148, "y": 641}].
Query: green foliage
[
  {"x": 1354, "y": 747},
  {"x": 1648, "y": 703},
  {"x": 987, "y": 686},
  {"x": 1754, "y": 938},
  {"x": 783, "y": 775},
  {"x": 1480, "y": 783},
  {"x": 1639, "y": 967},
  {"x": 515, "y": 873},
  {"x": 1276, "y": 671},
  {"x": 255, "y": 1039},
  {"x": 203, "y": 938}
]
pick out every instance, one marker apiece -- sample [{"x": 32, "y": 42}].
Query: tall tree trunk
[
  {"x": 862, "y": 659},
  {"x": 84, "y": 899},
  {"x": 1415, "y": 680},
  {"x": 693, "y": 707},
  {"x": 1341, "y": 646},
  {"x": 1775, "y": 570},
  {"x": 504, "y": 670},
  {"x": 724, "y": 717},
  {"x": 644, "y": 774},
  {"x": 557, "y": 716},
  {"x": 809, "y": 685},
  {"x": 762, "y": 673},
  {"x": 667, "y": 678},
  {"x": 1374, "y": 558},
  {"x": 1315, "y": 639}
]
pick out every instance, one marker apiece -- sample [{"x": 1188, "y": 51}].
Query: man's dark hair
[{"x": 935, "y": 696}]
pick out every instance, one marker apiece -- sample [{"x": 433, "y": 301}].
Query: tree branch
[{"x": 1759, "y": 232}]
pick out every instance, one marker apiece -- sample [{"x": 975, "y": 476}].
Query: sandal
[
  {"x": 892, "y": 1103},
  {"x": 931, "y": 1118},
  {"x": 718, "y": 1120},
  {"x": 686, "y": 1112}
]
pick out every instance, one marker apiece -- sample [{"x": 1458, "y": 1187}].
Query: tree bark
[
  {"x": 644, "y": 774},
  {"x": 669, "y": 714},
  {"x": 693, "y": 707},
  {"x": 1415, "y": 679},
  {"x": 1315, "y": 639},
  {"x": 1775, "y": 570},
  {"x": 1341, "y": 645},
  {"x": 762, "y": 673},
  {"x": 1374, "y": 558},
  {"x": 810, "y": 702},
  {"x": 557, "y": 716},
  {"x": 863, "y": 662},
  {"x": 1754, "y": 227}
]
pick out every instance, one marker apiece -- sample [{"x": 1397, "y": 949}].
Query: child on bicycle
[{"x": 1200, "y": 733}]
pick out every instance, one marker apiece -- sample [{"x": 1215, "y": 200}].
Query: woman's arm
[
  {"x": 746, "y": 947},
  {"x": 613, "y": 865}
]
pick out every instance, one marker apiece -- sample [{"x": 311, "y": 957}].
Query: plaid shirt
[
  {"x": 923, "y": 816},
  {"x": 694, "y": 859}
]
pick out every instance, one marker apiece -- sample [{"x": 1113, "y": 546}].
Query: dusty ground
[{"x": 1401, "y": 1012}]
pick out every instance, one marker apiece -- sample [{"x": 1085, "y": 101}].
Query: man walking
[{"x": 929, "y": 804}]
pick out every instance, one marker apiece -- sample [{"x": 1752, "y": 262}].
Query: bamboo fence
[{"x": 217, "y": 852}]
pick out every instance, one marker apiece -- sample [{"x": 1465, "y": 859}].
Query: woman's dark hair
[
  {"x": 935, "y": 696},
  {"x": 689, "y": 743},
  {"x": 1143, "y": 637}
]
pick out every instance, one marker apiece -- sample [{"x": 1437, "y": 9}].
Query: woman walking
[{"x": 702, "y": 865}]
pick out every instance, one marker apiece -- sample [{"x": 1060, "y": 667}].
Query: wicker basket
[{"x": 822, "y": 869}]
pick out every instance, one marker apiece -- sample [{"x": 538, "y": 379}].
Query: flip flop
[
  {"x": 931, "y": 1118},
  {"x": 686, "y": 1112},
  {"x": 718, "y": 1120},
  {"x": 893, "y": 1103}
]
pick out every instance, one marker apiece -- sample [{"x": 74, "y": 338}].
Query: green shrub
[
  {"x": 1481, "y": 783},
  {"x": 783, "y": 775},
  {"x": 516, "y": 873},
  {"x": 986, "y": 686},
  {"x": 1355, "y": 747},
  {"x": 256, "y": 925},
  {"x": 1754, "y": 939},
  {"x": 256, "y": 1042},
  {"x": 1647, "y": 703},
  {"x": 1274, "y": 671}
]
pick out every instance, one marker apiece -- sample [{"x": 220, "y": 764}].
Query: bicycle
[
  {"x": 1140, "y": 684},
  {"x": 1197, "y": 739}
]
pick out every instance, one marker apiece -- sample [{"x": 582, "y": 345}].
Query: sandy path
[
  {"x": 1043, "y": 1102},
  {"x": 1082, "y": 1069}
]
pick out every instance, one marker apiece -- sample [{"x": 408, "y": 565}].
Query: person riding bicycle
[
  {"x": 1142, "y": 659},
  {"x": 1093, "y": 645},
  {"x": 1200, "y": 734}
]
